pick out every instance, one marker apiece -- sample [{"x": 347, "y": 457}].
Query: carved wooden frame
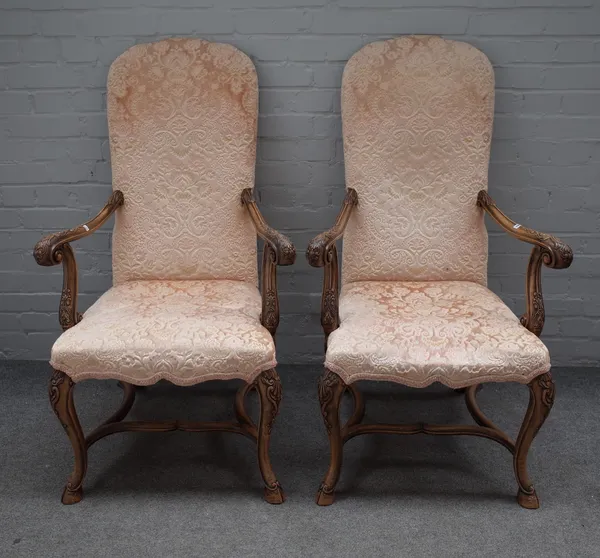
[
  {"x": 278, "y": 250},
  {"x": 322, "y": 252},
  {"x": 55, "y": 248},
  {"x": 547, "y": 249}
]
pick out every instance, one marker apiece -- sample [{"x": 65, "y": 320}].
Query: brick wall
[{"x": 54, "y": 157}]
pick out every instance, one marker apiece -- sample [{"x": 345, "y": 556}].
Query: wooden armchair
[
  {"x": 185, "y": 305},
  {"x": 414, "y": 307}
]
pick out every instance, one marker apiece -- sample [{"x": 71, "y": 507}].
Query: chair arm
[
  {"x": 55, "y": 248},
  {"x": 547, "y": 249},
  {"x": 278, "y": 250},
  {"x": 322, "y": 252},
  {"x": 48, "y": 251},
  {"x": 319, "y": 248},
  {"x": 555, "y": 253},
  {"x": 284, "y": 251}
]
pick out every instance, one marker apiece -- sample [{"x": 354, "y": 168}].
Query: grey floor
[{"x": 183, "y": 494}]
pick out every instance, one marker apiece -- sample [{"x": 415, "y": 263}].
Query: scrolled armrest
[
  {"x": 278, "y": 250},
  {"x": 547, "y": 250},
  {"x": 555, "y": 253},
  {"x": 48, "y": 251},
  {"x": 322, "y": 252},
  {"x": 285, "y": 253},
  {"x": 55, "y": 248},
  {"x": 319, "y": 248}
]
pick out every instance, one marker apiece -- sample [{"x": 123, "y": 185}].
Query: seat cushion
[
  {"x": 182, "y": 331},
  {"x": 416, "y": 333}
]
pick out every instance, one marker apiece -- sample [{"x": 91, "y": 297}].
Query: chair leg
[
  {"x": 269, "y": 391},
  {"x": 331, "y": 389},
  {"x": 541, "y": 399},
  {"x": 60, "y": 391}
]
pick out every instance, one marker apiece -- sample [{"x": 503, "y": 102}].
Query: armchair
[
  {"x": 184, "y": 306},
  {"x": 414, "y": 307}
]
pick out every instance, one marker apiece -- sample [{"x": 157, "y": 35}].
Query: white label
[
  {"x": 516, "y": 226},
  {"x": 86, "y": 227}
]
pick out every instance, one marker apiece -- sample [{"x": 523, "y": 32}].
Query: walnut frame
[
  {"x": 55, "y": 248},
  {"x": 322, "y": 252},
  {"x": 547, "y": 249},
  {"x": 278, "y": 250}
]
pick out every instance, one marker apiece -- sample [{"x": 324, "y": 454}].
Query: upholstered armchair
[
  {"x": 414, "y": 307},
  {"x": 184, "y": 306}
]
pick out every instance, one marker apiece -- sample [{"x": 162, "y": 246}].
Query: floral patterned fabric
[
  {"x": 183, "y": 331},
  {"x": 415, "y": 333},
  {"x": 182, "y": 116},
  {"x": 417, "y": 117}
]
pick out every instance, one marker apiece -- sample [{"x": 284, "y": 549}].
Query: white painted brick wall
[{"x": 54, "y": 157}]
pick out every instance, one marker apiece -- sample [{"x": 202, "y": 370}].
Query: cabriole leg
[
  {"x": 541, "y": 399},
  {"x": 61, "y": 398},
  {"x": 269, "y": 391},
  {"x": 331, "y": 389}
]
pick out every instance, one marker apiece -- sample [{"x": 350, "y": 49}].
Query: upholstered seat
[
  {"x": 454, "y": 332},
  {"x": 183, "y": 331}
]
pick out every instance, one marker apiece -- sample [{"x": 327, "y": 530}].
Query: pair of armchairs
[{"x": 413, "y": 306}]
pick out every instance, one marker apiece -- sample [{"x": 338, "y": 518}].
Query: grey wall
[{"x": 54, "y": 158}]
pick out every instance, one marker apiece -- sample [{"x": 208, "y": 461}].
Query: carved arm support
[
  {"x": 55, "y": 248},
  {"x": 547, "y": 250},
  {"x": 322, "y": 252},
  {"x": 278, "y": 250}
]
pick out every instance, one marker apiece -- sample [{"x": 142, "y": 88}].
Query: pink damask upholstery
[
  {"x": 416, "y": 333},
  {"x": 183, "y": 331},
  {"x": 414, "y": 309},
  {"x": 185, "y": 307},
  {"x": 417, "y": 121},
  {"x": 182, "y": 117}
]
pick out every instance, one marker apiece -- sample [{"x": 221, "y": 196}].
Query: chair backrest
[
  {"x": 417, "y": 116},
  {"x": 182, "y": 117}
]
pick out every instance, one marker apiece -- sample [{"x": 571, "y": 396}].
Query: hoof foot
[
  {"x": 325, "y": 498},
  {"x": 71, "y": 497},
  {"x": 274, "y": 495},
  {"x": 528, "y": 501}
]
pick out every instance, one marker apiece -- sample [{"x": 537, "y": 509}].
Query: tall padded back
[
  {"x": 182, "y": 117},
  {"x": 417, "y": 116}
]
